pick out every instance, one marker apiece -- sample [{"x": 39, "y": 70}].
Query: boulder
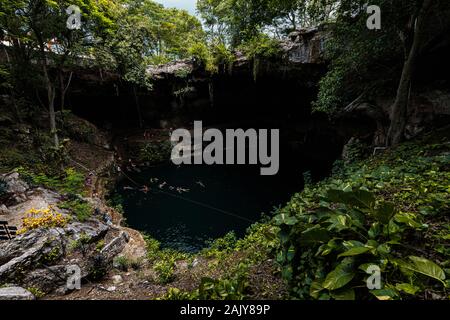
[
  {"x": 15, "y": 293},
  {"x": 47, "y": 279},
  {"x": 14, "y": 184},
  {"x": 115, "y": 247},
  {"x": 26, "y": 251}
]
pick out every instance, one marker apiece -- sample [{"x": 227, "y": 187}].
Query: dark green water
[{"x": 210, "y": 202}]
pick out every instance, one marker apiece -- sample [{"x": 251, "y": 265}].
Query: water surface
[{"x": 185, "y": 206}]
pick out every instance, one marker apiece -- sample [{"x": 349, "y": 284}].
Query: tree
[
  {"x": 364, "y": 61},
  {"x": 38, "y": 28}
]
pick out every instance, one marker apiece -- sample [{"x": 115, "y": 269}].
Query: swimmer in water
[
  {"x": 162, "y": 185},
  {"x": 201, "y": 184}
]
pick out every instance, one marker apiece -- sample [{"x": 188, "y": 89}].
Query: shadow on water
[{"x": 188, "y": 205}]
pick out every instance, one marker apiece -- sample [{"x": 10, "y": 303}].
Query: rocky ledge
[{"x": 45, "y": 260}]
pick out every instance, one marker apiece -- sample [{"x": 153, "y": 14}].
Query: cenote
[{"x": 187, "y": 206}]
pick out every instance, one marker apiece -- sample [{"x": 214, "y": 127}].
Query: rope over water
[{"x": 192, "y": 201}]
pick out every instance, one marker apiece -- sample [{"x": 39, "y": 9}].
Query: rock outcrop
[
  {"x": 15, "y": 293},
  {"x": 41, "y": 258}
]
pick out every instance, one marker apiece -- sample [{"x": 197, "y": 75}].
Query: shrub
[
  {"x": 82, "y": 209},
  {"x": 71, "y": 181},
  {"x": 261, "y": 46},
  {"x": 124, "y": 264},
  {"x": 203, "y": 56},
  {"x": 82, "y": 243},
  {"x": 234, "y": 288},
  {"x": 378, "y": 212},
  {"x": 164, "y": 259},
  {"x": 36, "y": 292},
  {"x": 165, "y": 264},
  {"x": 155, "y": 153}
]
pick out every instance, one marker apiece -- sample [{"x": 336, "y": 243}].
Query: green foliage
[
  {"x": 80, "y": 208},
  {"x": 155, "y": 152},
  {"x": 375, "y": 212},
  {"x": 235, "y": 288},
  {"x": 123, "y": 263},
  {"x": 222, "y": 245},
  {"x": 51, "y": 256},
  {"x": 82, "y": 243},
  {"x": 163, "y": 259},
  {"x": 368, "y": 63},
  {"x": 147, "y": 33},
  {"x": 71, "y": 181},
  {"x": 165, "y": 264},
  {"x": 203, "y": 56},
  {"x": 261, "y": 46},
  {"x": 76, "y": 128},
  {"x": 38, "y": 293},
  {"x": 222, "y": 55}
]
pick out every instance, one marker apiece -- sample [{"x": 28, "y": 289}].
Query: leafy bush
[
  {"x": 221, "y": 246},
  {"x": 163, "y": 259},
  {"x": 71, "y": 181},
  {"x": 165, "y": 264},
  {"x": 121, "y": 263},
  {"x": 202, "y": 55},
  {"x": 261, "y": 46},
  {"x": 82, "y": 209},
  {"x": 378, "y": 212},
  {"x": 124, "y": 264},
  {"x": 77, "y": 128},
  {"x": 155, "y": 153},
  {"x": 38, "y": 293},
  {"x": 234, "y": 288},
  {"x": 82, "y": 243},
  {"x": 223, "y": 56}
]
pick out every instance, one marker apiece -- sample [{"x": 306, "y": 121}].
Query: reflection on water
[{"x": 185, "y": 206}]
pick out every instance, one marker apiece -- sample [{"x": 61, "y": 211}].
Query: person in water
[{"x": 145, "y": 189}]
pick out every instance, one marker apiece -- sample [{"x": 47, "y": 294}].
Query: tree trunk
[
  {"x": 51, "y": 111},
  {"x": 138, "y": 107},
  {"x": 399, "y": 111},
  {"x": 63, "y": 88}
]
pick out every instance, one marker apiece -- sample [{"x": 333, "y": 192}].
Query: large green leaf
[
  {"x": 314, "y": 234},
  {"x": 285, "y": 219},
  {"x": 384, "y": 212},
  {"x": 315, "y": 289},
  {"x": 365, "y": 198},
  {"x": 407, "y": 288},
  {"x": 354, "y": 252},
  {"x": 385, "y": 294},
  {"x": 358, "y": 198},
  {"x": 339, "y": 277},
  {"x": 428, "y": 268},
  {"x": 422, "y": 266}
]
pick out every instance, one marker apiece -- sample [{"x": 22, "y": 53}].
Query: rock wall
[{"x": 42, "y": 258}]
